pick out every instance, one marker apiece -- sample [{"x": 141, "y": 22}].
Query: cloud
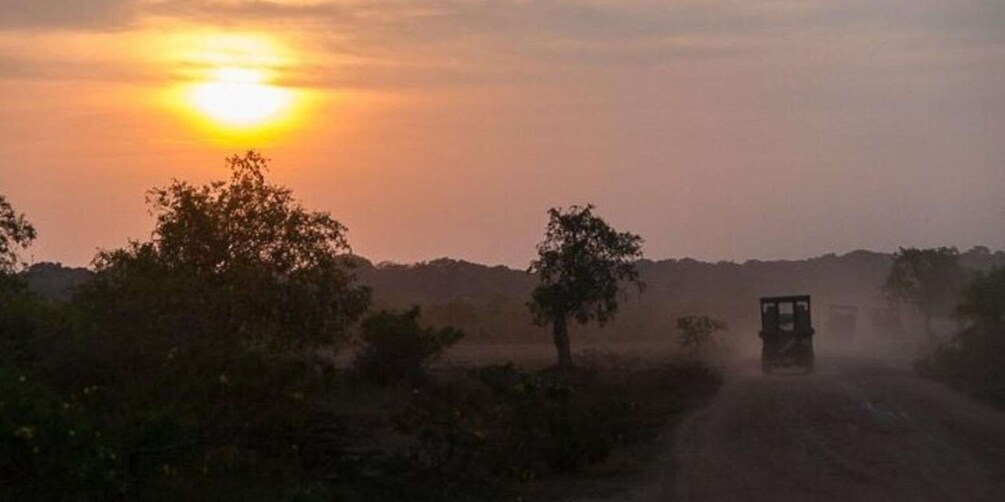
[
  {"x": 26, "y": 68},
  {"x": 433, "y": 21},
  {"x": 595, "y": 31},
  {"x": 99, "y": 15},
  {"x": 389, "y": 42},
  {"x": 463, "y": 40}
]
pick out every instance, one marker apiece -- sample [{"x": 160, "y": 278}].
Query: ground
[{"x": 855, "y": 430}]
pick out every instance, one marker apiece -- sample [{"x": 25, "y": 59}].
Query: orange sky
[{"x": 718, "y": 130}]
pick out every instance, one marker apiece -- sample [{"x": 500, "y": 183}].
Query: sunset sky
[{"x": 716, "y": 130}]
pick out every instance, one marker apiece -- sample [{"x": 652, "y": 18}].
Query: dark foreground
[{"x": 855, "y": 430}]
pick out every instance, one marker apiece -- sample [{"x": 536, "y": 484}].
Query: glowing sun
[{"x": 240, "y": 97}]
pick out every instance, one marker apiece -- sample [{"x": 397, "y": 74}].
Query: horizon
[{"x": 649, "y": 259}]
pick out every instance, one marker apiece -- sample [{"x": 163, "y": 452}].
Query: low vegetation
[
  {"x": 698, "y": 332},
  {"x": 504, "y": 424},
  {"x": 974, "y": 359},
  {"x": 396, "y": 348}
]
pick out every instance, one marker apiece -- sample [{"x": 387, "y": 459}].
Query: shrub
[
  {"x": 396, "y": 348},
  {"x": 698, "y": 332},
  {"x": 27, "y": 322},
  {"x": 502, "y": 423},
  {"x": 49, "y": 448},
  {"x": 974, "y": 360},
  {"x": 983, "y": 300}
]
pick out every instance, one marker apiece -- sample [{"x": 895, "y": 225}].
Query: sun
[
  {"x": 240, "y": 97},
  {"x": 236, "y": 86}
]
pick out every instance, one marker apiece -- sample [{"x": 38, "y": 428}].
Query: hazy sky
[{"x": 717, "y": 130}]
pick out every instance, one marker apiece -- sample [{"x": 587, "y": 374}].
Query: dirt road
[{"x": 853, "y": 431}]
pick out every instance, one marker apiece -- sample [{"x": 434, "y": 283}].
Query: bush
[
  {"x": 50, "y": 449},
  {"x": 974, "y": 360},
  {"x": 983, "y": 300},
  {"x": 481, "y": 430},
  {"x": 698, "y": 332},
  {"x": 27, "y": 323},
  {"x": 502, "y": 423},
  {"x": 396, "y": 348}
]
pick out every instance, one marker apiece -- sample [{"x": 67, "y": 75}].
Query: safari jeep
[{"x": 787, "y": 333}]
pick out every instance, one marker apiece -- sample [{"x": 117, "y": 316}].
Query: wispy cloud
[
  {"x": 384, "y": 42},
  {"x": 98, "y": 15}
]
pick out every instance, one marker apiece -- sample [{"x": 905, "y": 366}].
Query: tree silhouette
[
  {"x": 582, "y": 264},
  {"x": 926, "y": 278},
  {"x": 16, "y": 233},
  {"x": 983, "y": 300},
  {"x": 698, "y": 331},
  {"x": 237, "y": 262}
]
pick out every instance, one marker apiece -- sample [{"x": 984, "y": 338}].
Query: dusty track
[{"x": 855, "y": 430}]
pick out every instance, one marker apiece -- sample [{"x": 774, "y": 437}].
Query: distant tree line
[{"x": 489, "y": 303}]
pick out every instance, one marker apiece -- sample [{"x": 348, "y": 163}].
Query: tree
[
  {"x": 983, "y": 299},
  {"x": 698, "y": 331},
  {"x": 926, "y": 278},
  {"x": 582, "y": 264},
  {"x": 22, "y": 315},
  {"x": 16, "y": 234},
  {"x": 238, "y": 264}
]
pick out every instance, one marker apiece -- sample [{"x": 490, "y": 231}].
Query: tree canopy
[
  {"x": 582, "y": 264},
  {"x": 16, "y": 234},
  {"x": 698, "y": 331},
  {"x": 927, "y": 278},
  {"x": 984, "y": 298},
  {"x": 237, "y": 261}
]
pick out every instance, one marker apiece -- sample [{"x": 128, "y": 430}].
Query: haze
[{"x": 716, "y": 130}]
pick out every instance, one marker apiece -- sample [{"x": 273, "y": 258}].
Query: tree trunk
[{"x": 561, "y": 332}]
